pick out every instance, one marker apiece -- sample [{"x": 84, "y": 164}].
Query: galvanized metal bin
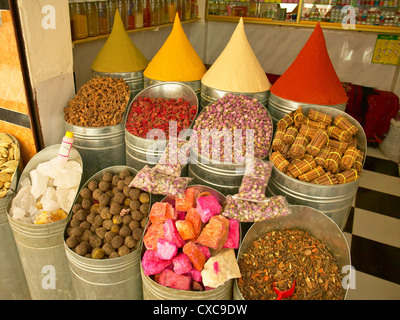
[
  {"x": 194, "y": 85},
  {"x": 41, "y": 247},
  {"x": 154, "y": 291},
  {"x": 336, "y": 200},
  {"x": 133, "y": 79},
  {"x": 302, "y": 218},
  {"x": 13, "y": 284},
  {"x": 105, "y": 279},
  {"x": 209, "y": 95},
  {"x": 279, "y": 107},
  {"x": 140, "y": 151}
]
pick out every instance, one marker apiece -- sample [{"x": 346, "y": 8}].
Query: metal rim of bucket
[
  {"x": 129, "y": 77},
  {"x": 332, "y": 225},
  {"x": 176, "y": 292},
  {"x": 195, "y": 85},
  {"x": 40, "y": 230},
  {"x": 85, "y": 261}
]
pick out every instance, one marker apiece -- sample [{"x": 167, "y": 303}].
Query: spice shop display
[
  {"x": 108, "y": 217},
  {"x": 189, "y": 245}
]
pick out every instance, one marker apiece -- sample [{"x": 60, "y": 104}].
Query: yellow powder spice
[
  {"x": 176, "y": 60},
  {"x": 237, "y": 69},
  {"x": 119, "y": 54}
]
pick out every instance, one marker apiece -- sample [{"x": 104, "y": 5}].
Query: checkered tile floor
[{"x": 373, "y": 230}]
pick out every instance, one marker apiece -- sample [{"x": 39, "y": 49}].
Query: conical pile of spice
[
  {"x": 119, "y": 54},
  {"x": 176, "y": 60},
  {"x": 311, "y": 77},
  {"x": 237, "y": 69}
]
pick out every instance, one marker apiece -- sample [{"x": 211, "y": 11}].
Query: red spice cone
[{"x": 311, "y": 77}]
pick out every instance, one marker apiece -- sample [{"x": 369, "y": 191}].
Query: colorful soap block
[
  {"x": 185, "y": 229},
  {"x": 166, "y": 250},
  {"x": 172, "y": 234},
  {"x": 194, "y": 218},
  {"x": 233, "y": 239},
  {"x": 182, "y": 264},
  {"x": 207, "y": 207},
  {"x": 154, "y": 232},
  {"x": 186, "y": 203},
  {"x": 152, "y": 264},
  {"x": 205, "y": 250},
  {"x": 195, "y": 255},
  {"x": 161, "y": 212},
  {"x": 215, "y": 233},
  {"x": 169, "y": 278},
  {"x": 195, "y": 274}
]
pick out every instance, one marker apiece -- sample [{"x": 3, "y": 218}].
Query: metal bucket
[
  {"x": 105, "y": 279},
  {"x": 194, "y": 85},
  {"x": 336, "y": 200},
  {"x": 306, "y": 219},
  {"x": 140, "y": 151},
  {"x": 133, "y": 79},
  {"x": 100, "y": 147},
  {"x": 279, "y": 107},
  {"x": 13, "y": 284},
  {"x": 154, "y": 291},
  {"x": 209, "y": 95},
  {"x": 41, "y": 247}
]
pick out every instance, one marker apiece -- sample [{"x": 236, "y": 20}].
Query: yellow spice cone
[
  {"x": 176, "y": 60},
  {"x": 237, "y": 68},
  {"x": 119, "y": 54}
]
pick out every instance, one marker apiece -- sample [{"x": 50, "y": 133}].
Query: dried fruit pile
[
  {"x": 108, "y": 217},
  {"x": 9, "y": 160},
  {"x": 285, "y": 256},
  {"x": 156, "y": 113},
  {"x": 317, "y": 148},
  {"x": 100, "y": 102},
  {"x": 189, "y": 244}
]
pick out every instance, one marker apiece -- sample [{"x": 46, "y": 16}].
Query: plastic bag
[{"x": 390, "y": 146}]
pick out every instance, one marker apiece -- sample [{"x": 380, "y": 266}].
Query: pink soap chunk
[
  {"x": 181, "y": 215},
  {"x": 152, "y": 264},
  {"x": 205, "y": 250},
  {"x": 182, "y": 264},
  {"x": 207, "y": 207},
  {"x": 233, "y": 239},
  {"x": 172, "y": 234},
  {"x": 195, "y": 274},
  {"x": 166, "y": 250},
  {"x": 168, "y": 278}
]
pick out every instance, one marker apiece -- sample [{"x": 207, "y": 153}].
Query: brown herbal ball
[
  {"x": 109, "y": 236},
  {"x": 115, "y": 208},
  {"x": 81, "y": 215},
  {"x": 115, "y": 190},
  {"x": 74, "y": 222},
  {"x": 126, "y": 191},
  {"x": 130, "y": 242},
  {"x": 72, "y": 241},
  {"x": 128, "y": 180},
  {"x": 123, "y": 250},
  {"x": 124, "y": 174},
  {"x": 115, "y": 228},
  {"x": 126, "y": 219},
  {"x": 95, "y": 208},
  {"x": 98, "y": 221},
  {"x": 90, "y": 218},
  {"x": 115, "y": 179},
  {"x": 119, "y": 197},
  {"x": 107, "y": 224},
  {"x": 134, "y": 205},
  {"x": 107, "y": 176},
  {"x": 96, "y": 194},
  {"x": 133, "y": 225},
  {"x": 105, "y": 213},
  {"x": 104, "y": 185},
  {"x": 98, "y": 253},
  {"x": 76, "y": 207},
  {"x": 86, "y": 193},
  {"x": 137, "y": 233},
  {"x": 95, "y": 241},
  {"x": 92, "y": 185},
  {"x": 117, "y": 219},
  {"x": 144, "y": 208},
  {"x": 76, "y": 231},
  {"x": 93, "y": 228},
  {"x": 117, "y": 241},
  {"x": 124, "y": 231},
  {"x": 85, "y": 225},
  {"x": 101, "y": 232},
  {"x": 127, "y": 202},
  {"x": 143, "y": 222},
  {"x": 121, "y": 185},
  {"x": 81, "y": 249},
  {"x": 86, "y": 235},
  {"x": 137, "y": 215},
  {"x": 86, "y": 204},
  {"x": 113, "y": 254},
  {"x": 144, "y": 197},
  {"x": 104, "y": 199},
  {"x": 134, "y": 194},
  {"x": 108, "y": 248}
]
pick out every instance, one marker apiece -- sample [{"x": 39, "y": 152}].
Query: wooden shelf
[{"x": 155, "y": 28}]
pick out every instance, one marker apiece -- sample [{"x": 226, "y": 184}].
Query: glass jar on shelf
[
  {"x": 178, "y": 4},
  {"x": 154, "y": 13},
  {"x": 112, "y": 8},
  {"x": 146, "y": 14},
  {"x": 138, "y": 11},
  {"x": 92, "y": 14},
  {"x": 123, "y": 12},
  {"x": 104, "y": 19},
  {"x": 79, "y": 19},
  {"x": 171, "y": 10},
  {"x": 187, "y": 9},
  {"x": 130, "y": 9}
]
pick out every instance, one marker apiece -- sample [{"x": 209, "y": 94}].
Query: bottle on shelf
[
  {"x": 166, "y": 13},
  {"x": 123, "y": 12},
  {"x": 92, "y": 14},
  {"x": 112, "y": 8},
  {"x": 79, "y": 20},
  {"x": 138, "y": 12},
  {"x": 65, "y": 148},
  {"x": 146, "y": 14},
  {"x": 154, "y": 13},
  {"x": 171, "y": 10},
  {"x": 104, "y": 19},
  {"x": 130, "y": 9}
]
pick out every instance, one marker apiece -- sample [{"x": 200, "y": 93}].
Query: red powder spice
[{"x": 311, "y": 77}]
